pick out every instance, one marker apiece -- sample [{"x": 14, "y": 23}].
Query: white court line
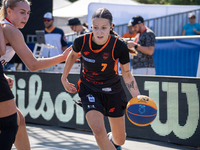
[
  {"x": 49, "y": 147},
  {"x": 40, "y": 146}
]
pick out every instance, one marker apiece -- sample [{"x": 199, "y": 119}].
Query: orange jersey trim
[
  {"x": 116, "y": 60},
  {"x": 115, "y": 67},
  {"x": 97, "y": 51},
  {"x": 83, "y": 43},
  {"x": 79, "y": 82},
  {"x": 114, "y": 48}
]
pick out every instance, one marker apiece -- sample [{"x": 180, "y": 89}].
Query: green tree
[{"x": 172, "y": 2}]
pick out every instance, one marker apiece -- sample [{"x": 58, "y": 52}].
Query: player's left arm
[{"x": 129, "y": 80}]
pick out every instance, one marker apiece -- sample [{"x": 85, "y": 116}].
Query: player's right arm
[
  {"x": 76, "y": 48},
  {"x": 68, "y": 65}
]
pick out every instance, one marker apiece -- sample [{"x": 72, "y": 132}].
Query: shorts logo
[
  {"x": 106, "y": 89},
  {"x": 90, "y": 98},
  {"x": 91, "y": 106},
  {"x": 112, "y": 109}
]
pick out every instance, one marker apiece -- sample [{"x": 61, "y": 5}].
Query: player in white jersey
[{"x": 14, "y": 14}]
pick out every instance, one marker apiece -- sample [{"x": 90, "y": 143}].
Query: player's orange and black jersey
[{"x": 100, "y": 62}]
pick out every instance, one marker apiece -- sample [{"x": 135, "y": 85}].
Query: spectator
[
  {"x": 130, "y": 34},
  {"x": 76, "y": 26},
  {"x": 85, "y": 25},
  {"x": 191, "y": 28},
  {"x": 144, "y": 43},
  {"x": 53, "y": 36}
]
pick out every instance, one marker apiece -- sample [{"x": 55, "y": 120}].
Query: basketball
[{"x": 141, "y": 110}]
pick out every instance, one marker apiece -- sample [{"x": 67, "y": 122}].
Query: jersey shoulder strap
[{"x": 85, "y": 39}]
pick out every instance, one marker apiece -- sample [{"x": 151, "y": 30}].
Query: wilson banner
[{"x": 43, "y": 100}]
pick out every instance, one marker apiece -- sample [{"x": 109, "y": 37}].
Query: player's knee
[
  {"x": 97, "y": 130},
  {"x": 120, "y": 140}
]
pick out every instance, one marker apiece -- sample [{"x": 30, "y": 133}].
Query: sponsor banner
[
  {"x": 43, "y": 100},
  {"x": 177, "y": 101}
]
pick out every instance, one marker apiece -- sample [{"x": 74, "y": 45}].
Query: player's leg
[
  {"x": 118, "y": 130},
  {"x": 93, "y": 108},
  {"x": 22, "y": 140},
  {"x": 8, "y": 123},
  {"x": 95, "y": 120},
  {"x": 116, "y": 117},
  {"x": 8, "y": 130},
  {"x": 8, "y": 114}
]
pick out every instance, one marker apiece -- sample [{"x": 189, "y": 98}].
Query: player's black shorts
[
  {"x": 8, "y": 128},
  {"x": 112, "y": 105},
  {"x": 5, "y": 92}
]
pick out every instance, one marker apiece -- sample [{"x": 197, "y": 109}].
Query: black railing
[{"x": 169, "y": 25}]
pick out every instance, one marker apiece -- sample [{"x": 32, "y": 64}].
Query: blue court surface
[{"x": 57, "y": 138}]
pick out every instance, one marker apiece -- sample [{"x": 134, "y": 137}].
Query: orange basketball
[{"x": 141, "y": 110}]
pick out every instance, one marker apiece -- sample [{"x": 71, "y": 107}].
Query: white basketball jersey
[{"x": 9, "y": 50}]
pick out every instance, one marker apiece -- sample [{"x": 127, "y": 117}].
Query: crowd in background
[{"x": 142, "y": 40}]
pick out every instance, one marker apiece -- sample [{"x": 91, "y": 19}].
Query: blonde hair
[{"x": 9, "y": 4}]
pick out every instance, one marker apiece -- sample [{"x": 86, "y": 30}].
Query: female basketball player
[
  {"x": 14, "y": 15},
  {"x": 99, "y": 85}
]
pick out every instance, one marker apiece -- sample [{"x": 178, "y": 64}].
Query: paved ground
[{"x": 56, "y": 138}]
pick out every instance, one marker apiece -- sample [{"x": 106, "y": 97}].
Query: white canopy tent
[
  {"x": 79, "y": 9},
  {"x": 57, "y": 4}
]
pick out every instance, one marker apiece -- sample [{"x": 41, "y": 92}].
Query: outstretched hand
[{"x": 66, "y": 52}]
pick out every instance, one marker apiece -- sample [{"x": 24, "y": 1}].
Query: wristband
[{"x": 136, "y": 46}]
